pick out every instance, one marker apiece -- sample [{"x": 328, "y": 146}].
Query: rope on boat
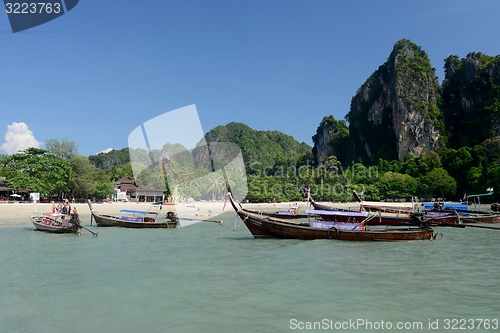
[
  {"x": 337, "y": 233},
  {"x": 235, "y": 221},
  {"x": 438, "y": 234}
]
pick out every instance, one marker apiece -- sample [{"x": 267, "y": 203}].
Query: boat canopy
[
  {"x": 451, "y": 205},
  {"x": 336, "y": 212},
  {"x": 134, "y": 211}
]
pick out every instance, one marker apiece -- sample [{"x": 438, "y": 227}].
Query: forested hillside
[{"x": 262, "y": 150}]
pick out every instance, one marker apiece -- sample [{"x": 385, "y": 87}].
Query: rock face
[
  {"x": 471, "y": 99},
  {"x": 395, "y": 111},
  {"x": 330, "y": 139}
]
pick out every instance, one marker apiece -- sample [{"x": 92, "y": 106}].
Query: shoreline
[
  {"x": 15, "y": 214},
  {"x": 18, "y": 214}
]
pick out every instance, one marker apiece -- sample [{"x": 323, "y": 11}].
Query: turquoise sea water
[{"x": 207, "y": 278}]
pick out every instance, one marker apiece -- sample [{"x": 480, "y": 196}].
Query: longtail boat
[
  {"x": 135, "y": 218},
  {"x": 381, "y": 216},
  {"x": 57, "y": 223},
  {"x": 396, "y": 207},
  {"x": 466, "y": 216},
  {"x": 480, "y": 218},
  {"x": 269, "y": 227},
  {"x": 288, "y": 212}
]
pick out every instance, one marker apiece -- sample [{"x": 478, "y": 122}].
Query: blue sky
[{"x": 98, "y": 72}]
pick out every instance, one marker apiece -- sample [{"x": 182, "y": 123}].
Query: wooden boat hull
[
  {"x": 47, "y": 224},
  {"x": 268, "y": 227},
  {"x": 280, "y": 215},
  {"x": 446, "y": 219},
  {"x": 376, "y": 220},
  {"x": 379, "y": 218},
  {"x": 103, "y": 220},
  {"x": 392, "y": 219},
  {"x": 260, "y": 228},
  {"x": 494, "y": 218}
]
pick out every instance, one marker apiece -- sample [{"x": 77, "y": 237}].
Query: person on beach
[
  {"x": 66, "y": 209},
  {"x": 75, "y": 220}
]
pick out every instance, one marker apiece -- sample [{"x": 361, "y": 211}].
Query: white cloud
[{"x": 18, "y": 137}]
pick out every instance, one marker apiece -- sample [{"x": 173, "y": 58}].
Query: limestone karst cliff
[
  {"x": 471, "y": 99},
  {"x": 401, "y": 108},
  {"x": 395, "y": 112},
  {"x": 330, "y": 139}
]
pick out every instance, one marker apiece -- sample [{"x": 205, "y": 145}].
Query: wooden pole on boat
[
  {"x": 481, "y": 226},
  {"x": 77, "y": 223},
  {"x": 356, "y": 196},
  {"x": 190, "y": 219},
  {"x": 93, "y": 233},
  {"x": 461, "y": 225},
  {"x": 90, "y": 206}
]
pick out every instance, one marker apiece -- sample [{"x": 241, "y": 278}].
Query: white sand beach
[{"x": 20, "y": 213}]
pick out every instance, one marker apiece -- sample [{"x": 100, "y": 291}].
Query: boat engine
[{"x": 172, "y": 217}]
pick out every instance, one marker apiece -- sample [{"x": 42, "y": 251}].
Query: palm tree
[{"x": 216, "y": 183}]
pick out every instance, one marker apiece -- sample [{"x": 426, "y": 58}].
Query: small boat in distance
[
  {"x": 268, "y": 227},
  {"x": 381, "y": 216},
  {"x": 57, "y": 223},
  {"x": 466, "y": 216},
  {"x": 481, "y": 218},
  {"x": 288, "y": 212},
  {"x": 136, "y": 218}
]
